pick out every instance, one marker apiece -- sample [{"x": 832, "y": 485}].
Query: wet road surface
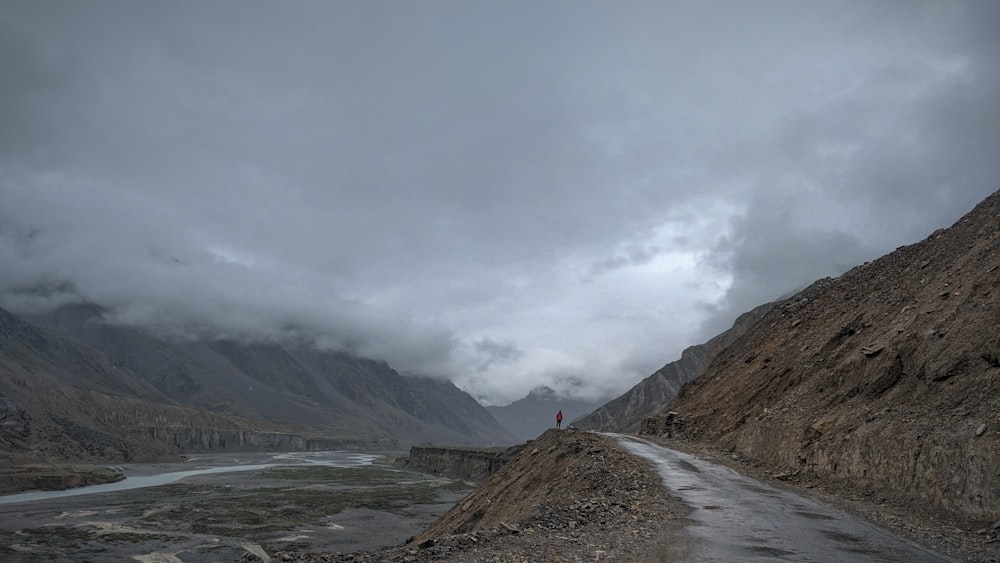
[{"x": 741, "y": 519}]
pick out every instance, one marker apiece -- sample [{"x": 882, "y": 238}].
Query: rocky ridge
[{"x": 626, "y": 412}]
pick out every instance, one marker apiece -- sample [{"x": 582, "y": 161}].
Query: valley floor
[{"x": 222, "y": 516}]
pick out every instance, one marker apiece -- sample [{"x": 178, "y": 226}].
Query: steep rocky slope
[
  {"x": 884, "y": 381},
  {"x": 625, "y": 413}
]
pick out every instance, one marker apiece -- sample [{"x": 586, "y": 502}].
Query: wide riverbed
[
  {"x": 144, "y": 475},
  {"x": 218, "y": 507}
]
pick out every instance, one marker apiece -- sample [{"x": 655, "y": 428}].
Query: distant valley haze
[{"x": 508, "y": 195}]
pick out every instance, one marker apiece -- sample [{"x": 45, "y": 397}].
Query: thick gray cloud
[{"x": 507, "y": 194}]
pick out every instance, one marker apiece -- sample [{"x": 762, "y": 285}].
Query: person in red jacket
[{"x": 559, "y": 419}]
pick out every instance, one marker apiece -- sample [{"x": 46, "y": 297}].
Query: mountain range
[{"x": 73, "y": 385}]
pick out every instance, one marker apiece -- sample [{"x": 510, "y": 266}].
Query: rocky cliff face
[
  {"x": 885, "y": 380},
  {"x": 474, "y": 465},
  {"x": 625, "y": 413}
]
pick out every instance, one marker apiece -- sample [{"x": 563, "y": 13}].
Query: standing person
[{"x": 559, "y": 419}]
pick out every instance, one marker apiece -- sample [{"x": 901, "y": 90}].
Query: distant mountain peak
[{"x": 543, "y": 392}]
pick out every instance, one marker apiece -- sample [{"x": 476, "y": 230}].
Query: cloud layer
[{"x": 509, "y": 195}]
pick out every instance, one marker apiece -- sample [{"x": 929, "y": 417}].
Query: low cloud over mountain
[{"x": 507, "y": 195}]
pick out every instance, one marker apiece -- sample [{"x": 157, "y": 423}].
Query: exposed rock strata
[{"x": 474, "y": 465}]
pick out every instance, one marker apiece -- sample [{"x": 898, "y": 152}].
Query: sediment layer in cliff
[{"x": 469, "y": 464}]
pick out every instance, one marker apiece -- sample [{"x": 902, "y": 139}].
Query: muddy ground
[{"x": 221, "y": 517}]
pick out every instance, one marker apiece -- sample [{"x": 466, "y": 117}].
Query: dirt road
[{"x": 740, "y": 519}]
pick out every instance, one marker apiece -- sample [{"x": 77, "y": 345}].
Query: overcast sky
[{"x": 509, "y": 194}]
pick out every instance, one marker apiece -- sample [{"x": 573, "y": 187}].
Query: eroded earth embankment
[{"x": 468, "y": 464}]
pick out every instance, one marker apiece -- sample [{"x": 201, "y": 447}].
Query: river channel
[
  {"x": 218, "y": 507},
  {"x": 139, "y": 476}
]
